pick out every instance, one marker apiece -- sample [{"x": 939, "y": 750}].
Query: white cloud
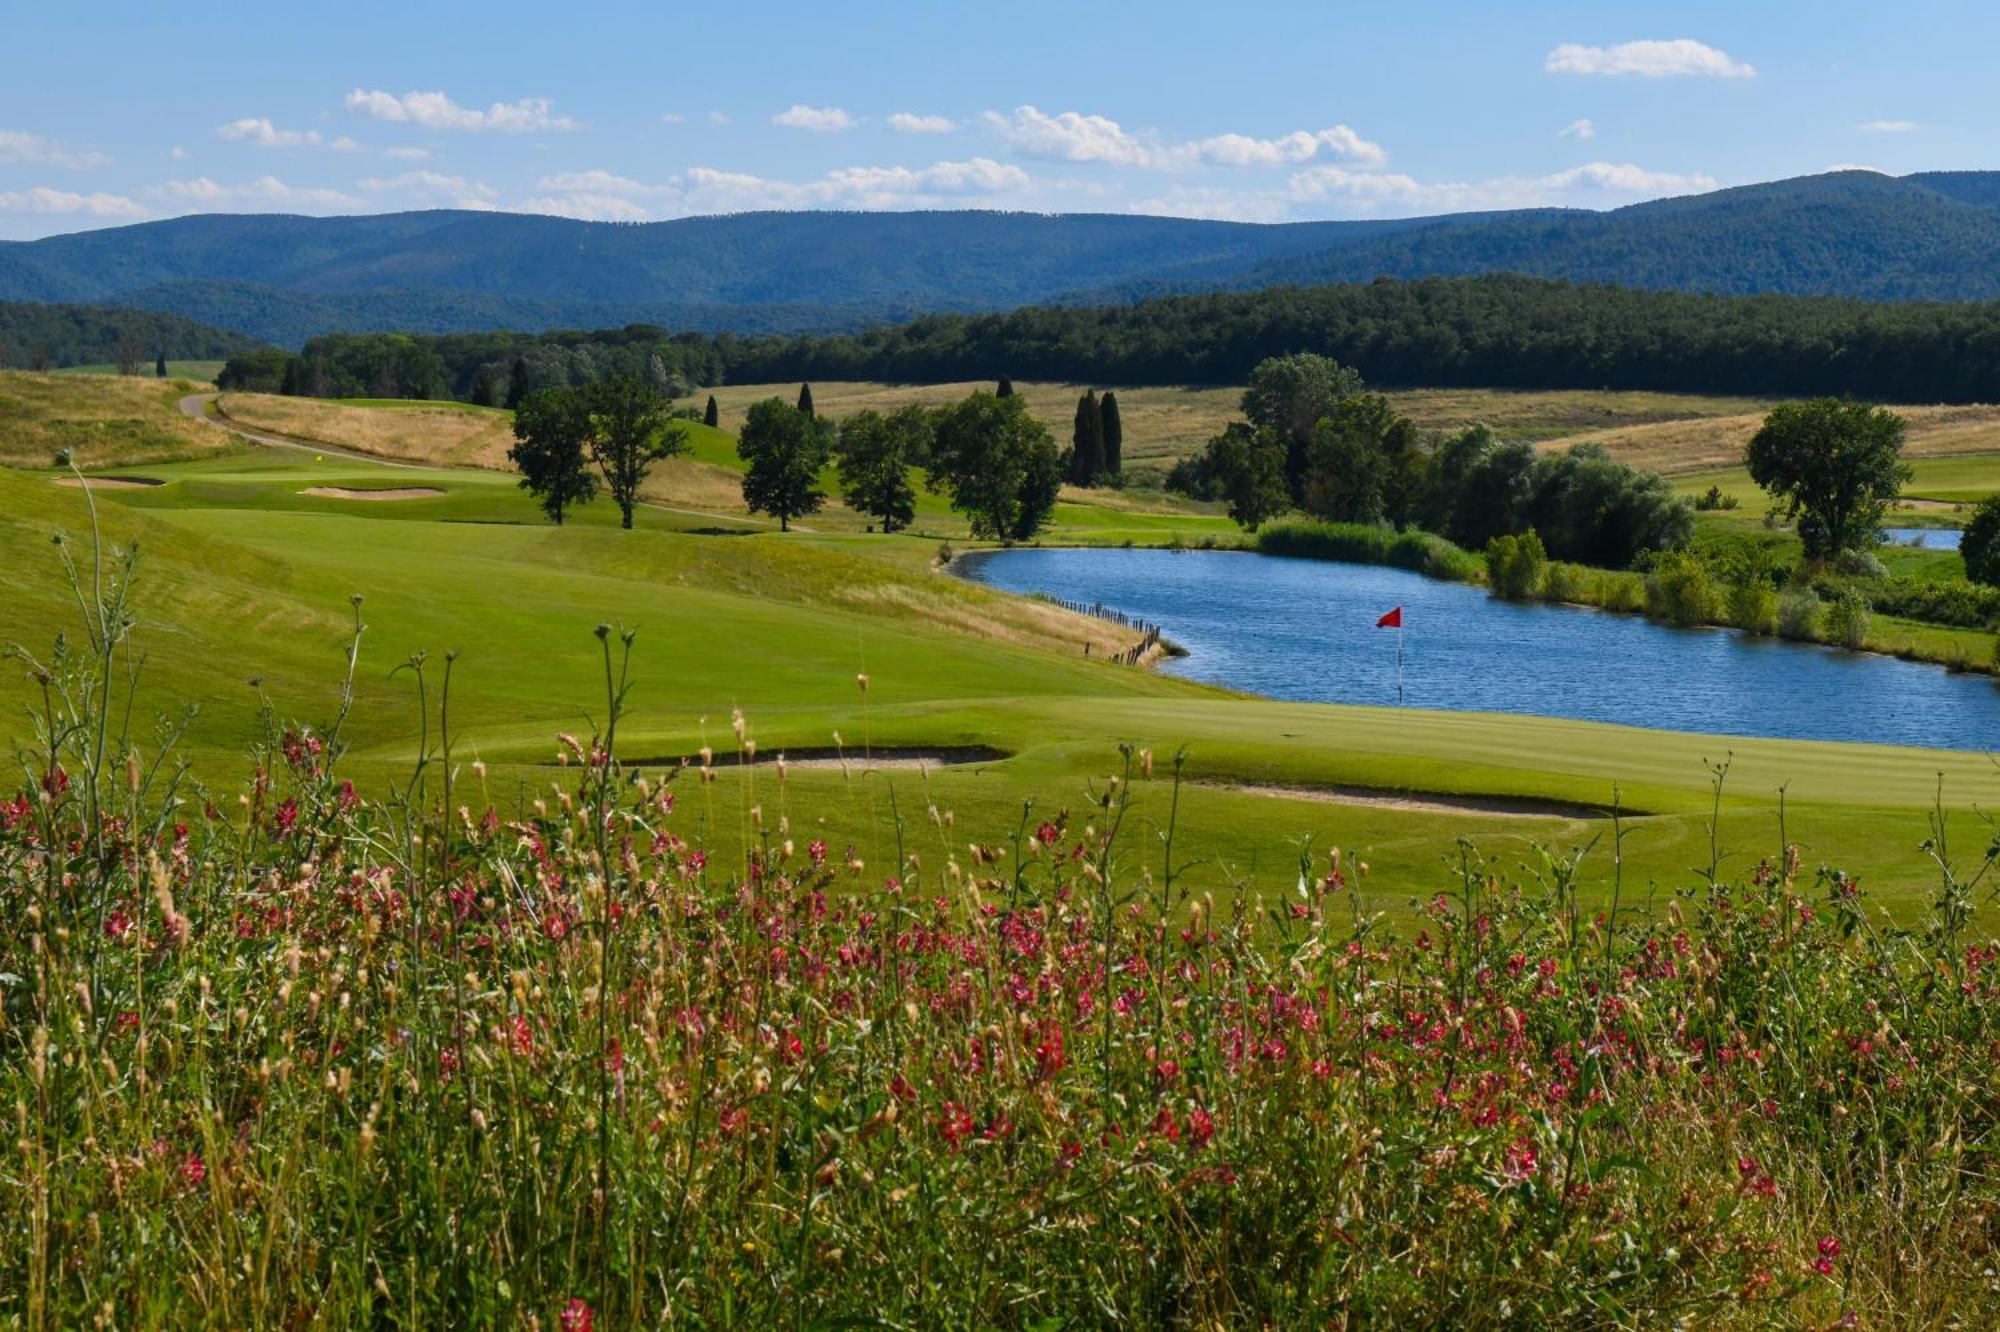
[
  {"x": 203, "y": 192},
  {"x": 818, "y": 119},
  {"x": 462, "y": 193},
  {"x": 1888, "y": 127},
  {"x": 907, "y": 122},
  {"x": 606, "y": 196},
  {"x": 434, "y": 110},
  {"x": 717, "y": 118},
  {"x": 587, "y": 207},
  {"x": 18, "y": 146},
  {"x": 259, "y": 132},
  {"x": 42, "y": 199},
  {"x": 407, "y": 154},
  {"x": 1071, "y": 136},
  {"x": 1650, "y": 60},
  {"x": 672, "y": 118},
  {"x": 1578, "y": 129},
  {"x": 1383, "y": 194},
  {"x": 178, "y": 153},
  {"x": 1856, "y": 166}
]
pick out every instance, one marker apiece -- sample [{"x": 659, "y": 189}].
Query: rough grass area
[
  {"x": 101, "y": 420},
  {"x": 1678, "y": 448},
  {"x": 687, "y": 1049}
]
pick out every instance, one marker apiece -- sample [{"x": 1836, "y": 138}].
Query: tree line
[
  {"x": 46, "y": 337},
  {"x": 1495, "y": 331},
  {"x": 996, "y": 464}
]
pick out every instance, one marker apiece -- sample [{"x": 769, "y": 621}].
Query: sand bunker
[
  {"x": 396, "y": 493},
  {"x": 1496, "y": 807},
  {"x": 853, "y": 760},
  {"x": 110, "y": 482}
]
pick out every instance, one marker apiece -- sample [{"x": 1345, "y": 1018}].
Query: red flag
[{"x": 1393, "y": 620}]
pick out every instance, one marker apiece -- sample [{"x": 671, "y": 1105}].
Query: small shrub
[
  {"x": 1753, "y": 606},
  {"x": 1979, "y": 544},
  {"x": 945, "y": 553},
  {"x": 1799, "y": 612},
  {"x": 1563, "y": 581},
  {"x": 1847, "y": 619},
  {"x": 1621, "y": 592},
  {"x": 1360, "y": 543},
  {"x": 1515, "y": 565},
  {"x": 1860, "y": 564},
  {"x": 1714, "y": 501},
  {"x": 1682, "y": 591}
]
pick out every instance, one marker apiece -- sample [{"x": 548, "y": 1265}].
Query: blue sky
[{"x": 1261, "y": 111}]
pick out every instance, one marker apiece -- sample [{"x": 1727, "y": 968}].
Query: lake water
[
  {"x": 1304, "y": 630},
  {"x": 1926, "y": 538}
]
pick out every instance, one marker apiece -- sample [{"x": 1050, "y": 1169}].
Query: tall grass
[
  {"x": 1361, "y": 543},
  {"x": 293, "y": 1056}
]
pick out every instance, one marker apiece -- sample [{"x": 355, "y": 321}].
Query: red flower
[
  {"x": 1200, "y": 1127},
  {"x": 955, "y": 1124},
  {"x": 578, "y": 1316},
  {"x": 193, "y": 1171}
]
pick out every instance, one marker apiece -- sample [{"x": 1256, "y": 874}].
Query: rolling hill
[{"x": 282, "y": 278}]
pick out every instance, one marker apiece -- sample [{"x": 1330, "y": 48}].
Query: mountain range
[{"x": 285, "y": 278}]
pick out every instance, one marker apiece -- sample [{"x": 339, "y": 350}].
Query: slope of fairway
[{"x": 244, "y": 577}]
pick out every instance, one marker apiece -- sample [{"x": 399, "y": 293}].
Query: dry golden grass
[
  {"x": 448, "y": 436},
  {"x": 1679, "y": 447},
  {"x": 102, "y": 420}
]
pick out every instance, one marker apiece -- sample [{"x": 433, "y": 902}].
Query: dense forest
[
  {"x": 1496, "y": 331},
  {"x": 52, "y": 336},
  {"x": 1861, "y": 234}
]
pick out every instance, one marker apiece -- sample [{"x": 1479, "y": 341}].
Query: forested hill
[
  {"x": 53, "y": 336},
  {"x": 1934, "y": 237},
  {"x": 1495, "y": 331}
]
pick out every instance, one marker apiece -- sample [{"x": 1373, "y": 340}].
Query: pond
[
  {"x": 1304, "y": 630},
  {"x": 1923, "y": 538}
]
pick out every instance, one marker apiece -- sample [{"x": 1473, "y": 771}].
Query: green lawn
[
  {"x": 244, "y": 576},
  {"x": 201, "y": 372}
]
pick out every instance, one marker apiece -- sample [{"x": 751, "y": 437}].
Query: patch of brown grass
[
  {"x": 446, "y": 436},
  {"x": 1678, "y": 447},
  {"x": 102, "y": 420}
]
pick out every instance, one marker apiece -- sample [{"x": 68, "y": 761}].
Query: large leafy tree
[
  {"x": 552, "y": 449},
  {"x": 998, "y": 464},
  {"x": 1834, "y": 467},
  {"x": 786, "y": 448},
  {"x": 1363, "y": 464},
  {"x": 1245, "y": 467},
  {"x": 1290, "y": 395},
  {"x": 631, "y": 428},
  {"x": 1980, "y": 543},
  {"x": 875, "y": 459}
]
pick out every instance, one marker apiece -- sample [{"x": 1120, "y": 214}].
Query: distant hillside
[
  {"x": 1855, "y": 233},
  {"x": 54, "y": 336},
  {"x": 1851, "y": 233}
]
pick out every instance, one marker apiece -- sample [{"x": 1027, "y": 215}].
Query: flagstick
[{"x": 1399, "y": 663}]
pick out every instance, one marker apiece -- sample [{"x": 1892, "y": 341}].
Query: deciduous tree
[
  {"x": 1834, "y": 467},
  {"x": 631, "y": 428},
  {"x": 552, "y": 432},
  {"x": 875, "y": 469},
  {"x": 786, "y": 448},
  {"x": 998, "y": 464},
  {"x": 1290, "y": 394}
]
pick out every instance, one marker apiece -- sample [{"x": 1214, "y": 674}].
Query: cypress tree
[
  {"x": 1005, "y": 388},
  {"x": 712, "y": 418},
  {"x": 517, "y": 383},
  {"x": 160, "y": 367},
  {"x": 806, "y": 399},
  {"x": 1086, "y": 457},
  {"x": 1114, "y": 434}
]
